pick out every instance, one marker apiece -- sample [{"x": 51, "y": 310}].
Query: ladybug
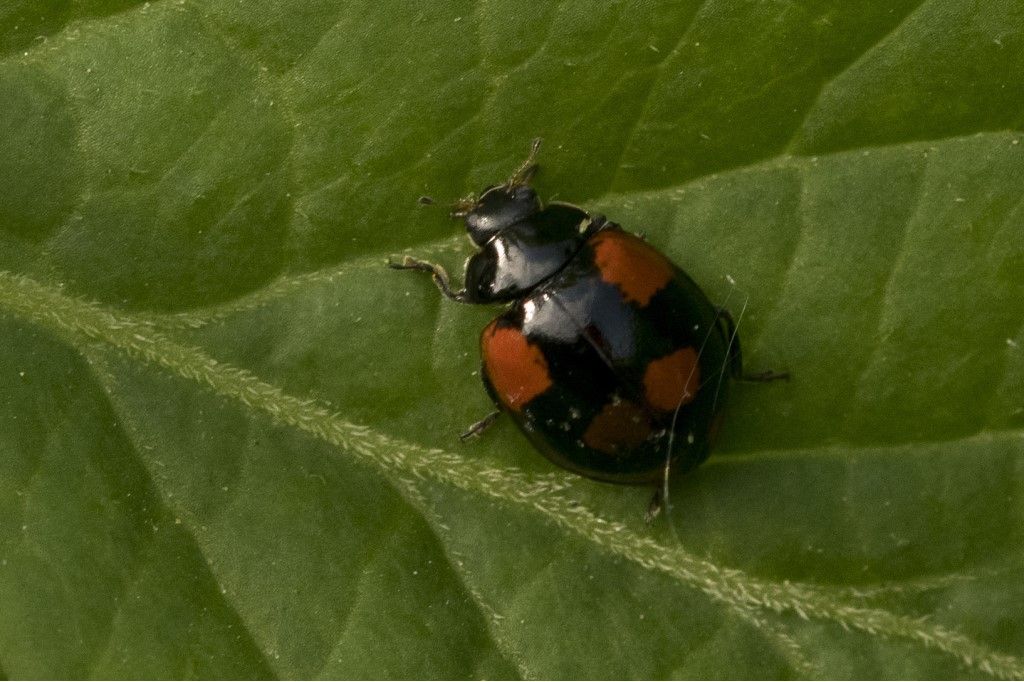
[{"x": 609, "y": 358}]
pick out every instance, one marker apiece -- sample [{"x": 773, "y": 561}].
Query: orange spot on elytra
[
  {"x": 618, "y": 428},
  {"x": 627, "y": 262},
  {"x": 515, "y": 367},
  {"x": 673, "y": 380}
]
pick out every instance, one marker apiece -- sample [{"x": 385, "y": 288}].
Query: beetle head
[
  {"x": 497, "y": 208},
  {"x": 501, "y": 206}
]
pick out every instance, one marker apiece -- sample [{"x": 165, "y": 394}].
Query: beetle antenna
[
  {"x": 728, "y": 350},
  {"x": 672, "y": 428},
  {"x": 521, "y": 176},
  {"x": 458, "y": 208},
  {"x": 462, "y": 207},
  {"x": 526, "y": 170}
]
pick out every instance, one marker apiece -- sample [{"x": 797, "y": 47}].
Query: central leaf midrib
[{"x": 74, "y": 319}]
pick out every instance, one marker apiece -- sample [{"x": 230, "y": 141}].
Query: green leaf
[{"x": 227, "y": 431}]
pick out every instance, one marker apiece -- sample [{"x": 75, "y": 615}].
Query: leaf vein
[
  {"x": 165, "y": 511},
  {"x": 791, "y": 143},
  {"x": 487, "y": 613},
  {"x": 289, "y": 283},
  {"x": 645, "y": 107},
  {"x": 71, "y": 317}
]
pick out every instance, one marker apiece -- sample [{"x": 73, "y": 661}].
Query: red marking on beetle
[
  {"x": 618, "y": 428},
  {"x": 673, "y": 380},
  {"x": 515, "y": 367},
  {"x": 637, "y": 269}
]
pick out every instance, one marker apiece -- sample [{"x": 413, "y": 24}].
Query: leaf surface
[{"x": 228, "y": 431}]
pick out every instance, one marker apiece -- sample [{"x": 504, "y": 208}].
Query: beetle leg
[
  {"x": 765, "y": 376},
  {"x": 480, "y": 426},
  {"x": 656, "y": 504},
  {"x": 437, "y": 273},
  {"x": 736, "y": 356},
  {"x": 728, "y": 326}
]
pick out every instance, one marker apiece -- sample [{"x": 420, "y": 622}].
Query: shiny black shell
[{"x": 610, "y": 359}]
